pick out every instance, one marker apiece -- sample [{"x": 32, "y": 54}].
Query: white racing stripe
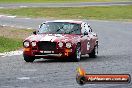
[
  {"x": 56, "y": 35},
  {"x": 3, "y": 25},
  {"x": 48, "y": 38},
  {"x": 11, "y": 53}
]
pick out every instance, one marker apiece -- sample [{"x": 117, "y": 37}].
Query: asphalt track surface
[
  {"x": 115, "y": 57},
  {"x": 78, "y": 4}
]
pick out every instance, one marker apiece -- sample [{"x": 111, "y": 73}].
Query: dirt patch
[{"x": 15, "y": 33}]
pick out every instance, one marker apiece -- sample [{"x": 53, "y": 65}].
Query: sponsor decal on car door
[{"x": 84, "y": 45}]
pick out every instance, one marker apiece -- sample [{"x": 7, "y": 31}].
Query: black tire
[
  {"x": 93, "y": 53},
  {"x": 77, "y": 54},
  {"x": 81, "y": 80},
  {"x": 28, "y": 58}
]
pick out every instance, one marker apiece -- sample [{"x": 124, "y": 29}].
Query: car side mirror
[
  {"x": 34, "y": 32},
  {"x": 85, "y": 33},
  {"x": 91, "y": 30}
]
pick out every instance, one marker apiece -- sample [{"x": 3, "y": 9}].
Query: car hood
[{"x": 54, "y": 37}]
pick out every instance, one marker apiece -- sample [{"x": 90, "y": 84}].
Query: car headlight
[
  {"x": 68, "y": 45},
  {"x": 33, "y": 44},
  {"x": 60, "y": 44},
  {"x": 26, "y": 44}
]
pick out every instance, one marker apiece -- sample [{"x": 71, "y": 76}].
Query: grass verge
[
  {"x": 103, "y": 12},
  {"x": 56, "y": 1},
  {"x": 8, "y": 44},
  {"x": 11, "y": 38}
]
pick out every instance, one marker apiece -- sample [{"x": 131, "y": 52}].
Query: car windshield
[{"x": 60, "y": 28}]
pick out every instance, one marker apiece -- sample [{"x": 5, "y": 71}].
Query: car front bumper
[{"x": 56, "y": 53}]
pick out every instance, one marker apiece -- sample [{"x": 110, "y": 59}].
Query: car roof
[{"x": 69, "y": 21}]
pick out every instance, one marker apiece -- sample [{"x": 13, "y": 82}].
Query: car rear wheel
[
  {"x": 77, "y": 55},
  {"x": 93, "y": 53},
  {"x": 28, "y": 58}
]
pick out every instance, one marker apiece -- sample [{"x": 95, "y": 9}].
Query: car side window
[
  {"x": 76, "y": 29},
  {"x": 85, "y": 28}
]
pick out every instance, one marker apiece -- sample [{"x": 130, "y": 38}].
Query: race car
[{"x": 62, "y": 39}]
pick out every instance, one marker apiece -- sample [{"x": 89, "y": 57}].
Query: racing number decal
[{"x": 88, "y": 46}]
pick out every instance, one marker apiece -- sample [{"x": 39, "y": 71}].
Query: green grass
[
  {"x": 103, "y": 13},
  {"x": 7, "y": 44},
  {"x": 11, "y": 38},
  {"x": 38, "y": 1}
]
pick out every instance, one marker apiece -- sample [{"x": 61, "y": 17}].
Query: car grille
[{"x": 47, "y": 46}]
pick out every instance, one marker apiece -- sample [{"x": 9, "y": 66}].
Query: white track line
[
  {"x": 27, "y": 18},
  {"x": 11, "y": 16},
  {"x": 1, "y": 7},
  {"x": 2, "y": 15},
  {"x": 12, "y": 26},
  {"x": 1, "y": 54},
  {"x": 29, "y": 28},
  {"x": 23, "y": 78},
  {"x": 3, "y": 25},
  {"x": 23, "y": 6},
  {"x": 11, "y": 53}
]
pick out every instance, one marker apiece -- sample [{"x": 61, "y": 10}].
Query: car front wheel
[
  {"x": 77, "y": 54},
  {"x": 28, "y": 58}
]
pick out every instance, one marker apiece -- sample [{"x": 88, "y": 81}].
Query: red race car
[{"x": 62, "y": 39}]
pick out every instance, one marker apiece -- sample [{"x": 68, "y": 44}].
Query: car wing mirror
[
  {"x": 41, "y": 25},
  {"x": 34, "y": 32}
]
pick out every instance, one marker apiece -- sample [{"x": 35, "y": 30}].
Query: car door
[
  {"x": 91, "y": 37},
  {"x": 84, "y": 39}
]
